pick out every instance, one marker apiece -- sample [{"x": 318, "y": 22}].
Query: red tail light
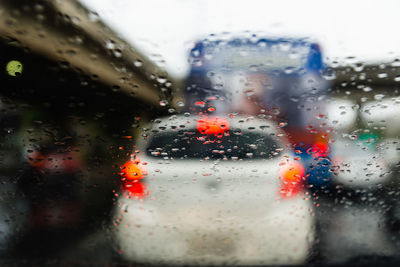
[
  {"x": 36, "y": 159},
  {"x": 133, "y": 173},
  {"x": 136, "y": 189},
  {"x": 319, "y": 149},
  {"x": 212, "y": 126},
  {"x": 51, "y": 163},
  {"x": 291, "y": 175}
]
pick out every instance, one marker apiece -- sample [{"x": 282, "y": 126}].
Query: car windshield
[{"x": 199, "y": 132}]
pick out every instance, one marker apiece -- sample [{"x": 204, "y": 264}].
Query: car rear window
[{"x": 193, "y": 145}]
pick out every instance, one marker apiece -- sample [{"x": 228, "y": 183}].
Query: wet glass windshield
[{"x": 199, "y": 132}]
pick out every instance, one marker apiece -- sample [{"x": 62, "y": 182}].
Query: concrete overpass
[{"x": 62, "y": 31}]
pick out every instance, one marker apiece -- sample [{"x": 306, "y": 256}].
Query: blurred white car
[
  {"x": 383, "y": 113},
  {"x": 363, "y": 163},
  {"x": 362, "y": 160},
  {"x": 214, "y": 191},
  {"x": 341, "y": 114}
]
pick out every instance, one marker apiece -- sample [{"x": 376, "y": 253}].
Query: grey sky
[{"x": 365, "y": 29}]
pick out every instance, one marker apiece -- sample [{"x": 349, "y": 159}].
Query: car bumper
[{"x": 209, "y": 235}]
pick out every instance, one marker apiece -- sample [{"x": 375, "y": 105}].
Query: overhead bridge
[{"x": 57, "y": 43}]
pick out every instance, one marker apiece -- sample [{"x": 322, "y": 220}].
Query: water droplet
[
  {"x": 93, "y": 16},
  {"x": 367, "y": 89},
  {"x": 180, "y": 103},
  {"x": 253, "y": 68},
  {"x": 75, "y": 20},
  {"x": 39, "y": 7},
  {"x": 110, "y": 44},
  {"x": 249, "y": 155},
  {"x": 9, "y": 130},
  {"x": 117, "y": 53},
  {"x": 237, "y": 131},
  {"x": 289, "y": 70},
  {"x": 70, "y": 52},
  {"x": 382, "y": 75},
  {"x": 163, "y": 103},
  {"x": 138, "y": 63},
  {"x": 78, "y": 40},
  {"x": 276, "y": 111},
  {"x": 353, "y": 137},
  {"x": 285, "y": 46},
  {"x": 250, "y": 92},
  {"x": 358, "y": 66},
  {"x": 379, "y": 96},
  {"x": 201, "y": 104},
  {"x": 329, "y": 74},
  {"x": 161, "y": 79}
]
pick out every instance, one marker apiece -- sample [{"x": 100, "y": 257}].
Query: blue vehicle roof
[{"x": 283, "y": 53}]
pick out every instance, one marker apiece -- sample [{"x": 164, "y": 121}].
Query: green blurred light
[
  {"x": 14, "y": 68},
  {"x": 369, "y": 139}
]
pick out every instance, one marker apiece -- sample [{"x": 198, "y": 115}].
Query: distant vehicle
[
  {"x": 214, "y": 190},
  {"x": 363, "y": 163},
  {"x": 366, "y": 149},
  {"x": 341, "y": 114},
  {"x": 383, "y": 113},
  {"x": 56, "y": 173},
  {"x": 280, "y": 79}
]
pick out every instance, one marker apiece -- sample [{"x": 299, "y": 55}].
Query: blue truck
[{"x": 276, "y": 78}]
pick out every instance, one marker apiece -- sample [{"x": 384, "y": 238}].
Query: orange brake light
[
  {"x": 291, "y": 176},
  {"x": 131, "y": 171}
]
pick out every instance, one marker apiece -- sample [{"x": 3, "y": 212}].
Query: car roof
[
  {"x": 243, "y": 41},
  {"x": 312, "y": 51}
]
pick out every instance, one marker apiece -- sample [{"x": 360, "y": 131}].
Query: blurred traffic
[{"x": 266, "y": 153}]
